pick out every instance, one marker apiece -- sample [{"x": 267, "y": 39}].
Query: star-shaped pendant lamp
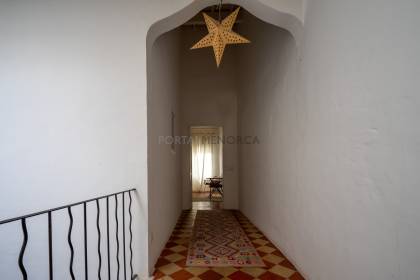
[{"x": 220, "y": 35}]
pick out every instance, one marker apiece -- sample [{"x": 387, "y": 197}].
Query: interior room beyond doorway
[{"x": 206, "y": 164}]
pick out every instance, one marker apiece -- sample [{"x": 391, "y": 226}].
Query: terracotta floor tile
[
  {"x": 270, "y": 276},
  {"x": 296, "y": 276},
  {"x": 255, "y": 235},
  {"x": 161, "y": 262},
  {"x": 158, "y": 274},
  {"x": 181, "y": 275},
  {"x": 169, "y": 268},
  {"x": 182, "y": 241},
  {"x": 196, "y": 270},
  {"x": 269, "y": 264},
  {"x": 181, "y": 263},
  {"x": 240, "y": 275},
  {"x": 260, "y": 242},
  {"x": 225, "y": 271},
  {"x": 184, "y": 253},
  {"x": 166, "y": 252},
  {"x": 266, "y": 249},
  {"x": 210, "y": 275},
  {"x": 178, "y": 248},
  {"x": 273, "y": 258},
  {"x": 170, "y": 245},
  {"x": 282, "y": 271},
  {"x": 253, "y": 271},
  {"x": 278, "y": 253},
  {"x": 288, "y": 264},
  {"x": 174, "y": 257}
]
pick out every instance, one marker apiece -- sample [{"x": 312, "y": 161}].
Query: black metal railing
[{"x": 116, "y": 196}]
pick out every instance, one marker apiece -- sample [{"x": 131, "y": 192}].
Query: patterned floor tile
[
  {"x": 270, "y": 276},
  {"x": 253, "y": 271},
  {"x": 273, "y": 258},
  {"x": 174, "y": 257},
  {"x": 171, "y": 263},
  {"x": 225, "y": 271},
  {"x": 210, "y": 275},
  {"x": 182, "y": 275},
  {"x": 288, "y": 264},
  {"x": 266, "y": 249},
  {"x": 255, "y": 235},
  {"x": 296, "y": 276},
  {"x": 282, "y": 271},
  {"x": 196, "y": 270},
  {"x": 169, "y": 268},
  {"x": 260, "y": 242},
  {"x": 240, "y": 275}
]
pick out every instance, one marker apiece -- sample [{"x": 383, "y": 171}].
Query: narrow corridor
[{"x": 172, "y": 261}]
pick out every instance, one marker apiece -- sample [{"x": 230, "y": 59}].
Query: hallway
[
  {"x": 172, "y": 261},
  {"x": 313, "y": 105},
  {"x": 187, "y": 90}
]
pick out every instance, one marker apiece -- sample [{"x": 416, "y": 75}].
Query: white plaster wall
[
  {"x": 364, "y": 110},
  {"x": 73, "y": 113},
  {"x": 208, "y": 97},
  {"x": 293, "y": 7},
  {"x": 267, "y": 79},
  {"x": 338, "y": 183},
  {"x": 164, "y": 164},
  {"x": 73, "y": 121}
]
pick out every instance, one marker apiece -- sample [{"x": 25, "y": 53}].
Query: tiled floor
[
  {"x": 205, "y": 196},
  {"x": 171, "y": 263},
  {"x": 207, "y": 205}
]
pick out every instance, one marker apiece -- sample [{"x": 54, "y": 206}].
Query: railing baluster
[
  {"x": 69, "y": 207},
  {"x": 123, "y": 213},
  {"x": 131, "y": 237},
  {"x": 50, "y": 249},
  {"x": 22, "y": 249},
  {"x": 116, "y": 235},
  {"x": 107, "y": 236},
  {"x": 99, "y": 239},
  {"x": 70, "y": 243},
  {"x": 85, "y": 237}
]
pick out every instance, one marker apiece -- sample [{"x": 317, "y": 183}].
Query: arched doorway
[{"x": 166, "y": 199}]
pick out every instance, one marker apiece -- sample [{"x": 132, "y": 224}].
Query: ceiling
[{"x": 213, "y": 11}]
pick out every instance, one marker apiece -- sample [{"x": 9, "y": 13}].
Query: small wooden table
[{"x": 215, "y": 184}]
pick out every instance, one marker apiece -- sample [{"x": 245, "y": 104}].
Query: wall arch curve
[{"x": 282, "y": 16}]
